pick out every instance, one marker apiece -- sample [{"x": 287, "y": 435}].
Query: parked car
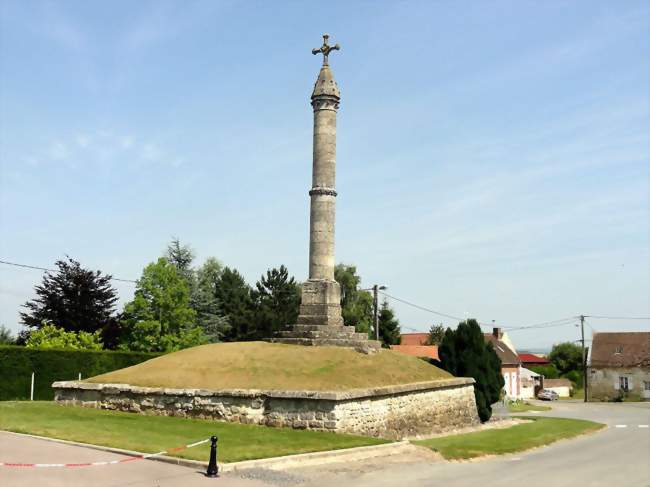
[{"x": 547, "y": 395}]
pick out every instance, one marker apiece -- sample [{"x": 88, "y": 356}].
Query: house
[
  {"x": 619, "y": 365},
  {"x": 422, "y": 351},
  {"x": 416, "y": 344},
  {"x": 531, "y": 360},
  {"x": 531, "y": 383},
  {"x": 414, "y": 338},
  {"x": 510, "y": 363},
  {"x": 562, "y": 387}
]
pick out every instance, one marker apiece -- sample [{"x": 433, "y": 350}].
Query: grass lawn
[
  {"x": 273, "y": 366},
  {"x": 541, "y": 431},
  {"x": 523, "y": 407},
  {"x": 151, "y": 434}
]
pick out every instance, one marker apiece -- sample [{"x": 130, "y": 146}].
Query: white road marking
[
  {"x": 643, "y": 426},
  {"x": 621, "y": 426}
]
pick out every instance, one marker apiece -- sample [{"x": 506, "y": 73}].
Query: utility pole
[
  {"x": 375, "y": 294},
  {"x": 584, "y": 355}
]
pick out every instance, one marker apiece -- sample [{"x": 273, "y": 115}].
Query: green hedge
[{"x": 49, "y": 365}]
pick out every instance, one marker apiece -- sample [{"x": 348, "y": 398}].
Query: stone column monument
[{"x": 320, "y": 321}]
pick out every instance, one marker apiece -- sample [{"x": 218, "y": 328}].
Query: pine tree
[
  {"x": 236, "y": 303},
  {"x": 389, "y": 331},
  {"x": 277, "y": 302},
  {"x": 74, "y": 299},
  {"x": 465, "y": 353},
  {"x": 436, "y": 334}
]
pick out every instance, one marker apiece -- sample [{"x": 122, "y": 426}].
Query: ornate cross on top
[{"x": 326, "y": 49}]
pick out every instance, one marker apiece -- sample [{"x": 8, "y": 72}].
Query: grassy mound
[{"x": 274, "y": 366}]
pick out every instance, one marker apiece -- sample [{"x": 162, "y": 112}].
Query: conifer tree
[
  {"x": 465, "y": 353},
  {"x": 74, "y": 299},
  {"x": 389, "y": 330},
  {"x": 277, "y": 302}
]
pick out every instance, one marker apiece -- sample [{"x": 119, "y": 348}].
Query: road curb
[{"x": 273, "y": 463}]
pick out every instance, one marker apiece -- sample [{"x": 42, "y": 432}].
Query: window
[
  {"x": 646, "y": 385},
  {"x": 622, "y": 382},
  {"x": 619, "y": 349}
]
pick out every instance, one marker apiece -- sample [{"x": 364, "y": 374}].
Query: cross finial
[{"x": 326, "y": 49}]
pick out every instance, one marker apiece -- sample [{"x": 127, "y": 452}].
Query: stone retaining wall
[{"x": 391, "y": 412}]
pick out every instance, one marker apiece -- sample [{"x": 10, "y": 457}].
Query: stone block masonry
[{"x": 392, "y": 412}]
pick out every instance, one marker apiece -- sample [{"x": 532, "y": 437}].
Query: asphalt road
[{"x": 617, "y": 456}]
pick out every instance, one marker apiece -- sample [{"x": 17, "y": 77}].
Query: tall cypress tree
[{"x": 465, "y": 353}]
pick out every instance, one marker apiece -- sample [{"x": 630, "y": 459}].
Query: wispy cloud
[{"x": 103, "y": 147}]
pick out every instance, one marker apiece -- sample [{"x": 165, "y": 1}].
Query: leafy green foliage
[
  {"x": 389, "y": 331},
  {"x": 160, "y": 319},
  {"x": 548, "y": 371},
  {"x": 356, "y": 304},
  {"x": 566, "y": 357},
  {"x": 49, "y": 365},
  {"x": 74, "y": 299},
  {"x": 464, "y": 353},
  {"x": 6, "y": 337},
  {"x": 436, "y": 334},
  {"x": 49, "y": 336},
  {"x": 277, "y": 301}
]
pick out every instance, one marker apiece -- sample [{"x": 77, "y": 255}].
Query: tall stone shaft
[
  {"x": 325, "y": 102},
  {"x": 321, "y": 294},
  {"x": 320, "y": 322}
]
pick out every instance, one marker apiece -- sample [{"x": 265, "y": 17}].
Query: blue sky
[{"x": 493, "y": 157}]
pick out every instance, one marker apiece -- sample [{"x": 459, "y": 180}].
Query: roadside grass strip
[
  {"x": 151, "y": 434},
  {"x": 524, "y": 407},
  {"x": 539, "y": 432}
]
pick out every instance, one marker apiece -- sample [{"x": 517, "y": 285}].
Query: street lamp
[{"x": 375, "y": 291}]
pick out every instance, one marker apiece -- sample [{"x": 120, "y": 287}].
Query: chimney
[{"x": 497, "y": 333}]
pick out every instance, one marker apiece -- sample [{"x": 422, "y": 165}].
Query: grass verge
[
  {"x": 523, "y": 407},
  {"x": 539, "y": 432},
  {"x": 151, "y": 434}
]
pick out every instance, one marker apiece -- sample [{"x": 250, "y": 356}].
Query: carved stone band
[{"x": 321, "y": 191}]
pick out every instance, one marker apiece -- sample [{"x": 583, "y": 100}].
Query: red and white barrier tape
[{"x": 112, "y": 462}]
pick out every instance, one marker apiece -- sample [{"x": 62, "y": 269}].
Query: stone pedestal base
[{"x": 320, "y": 321}]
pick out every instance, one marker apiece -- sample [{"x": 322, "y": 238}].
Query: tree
[
  {"x": 160, "y": 319},
  {"x": 181, "y": 256},
  {"x": 548, "y": 371},
  {"x": 436, "y": 334},
  {"x": 50, "y": 336},
  {"x": 6, "y": 337},
  {"x": 566, "y": 357},
  {"x": 204, "y": 301},
  {"x": 356, "y": 304},
  {"x": 74, "y": 299},
  {"x": 389, "y": 331},
  {"x": 277, "y": 302},
  {"x": 464, "y": 353},
  {"x": 234, "y": 296}
]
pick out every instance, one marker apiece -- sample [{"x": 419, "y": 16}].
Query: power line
[
  {"x": 619, "y": 317},
  {"x": 55, "y": 270},
  {"x": 421, "y": 307},
  {"x": 545, "y": 324}
]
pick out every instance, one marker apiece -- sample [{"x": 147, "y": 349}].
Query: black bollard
[{"x": 213, "y": 469}]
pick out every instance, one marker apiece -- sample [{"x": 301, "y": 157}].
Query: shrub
[
  {"x": 50, "y": 365},
  {"x": 50, "y": 336}
]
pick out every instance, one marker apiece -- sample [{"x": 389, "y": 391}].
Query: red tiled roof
[
  {"x": 622, "y": 349},
  {"x": 529, "y": 358},
  {"x": 414, "y": 338},
  {"x": 430, "y": 351}
]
